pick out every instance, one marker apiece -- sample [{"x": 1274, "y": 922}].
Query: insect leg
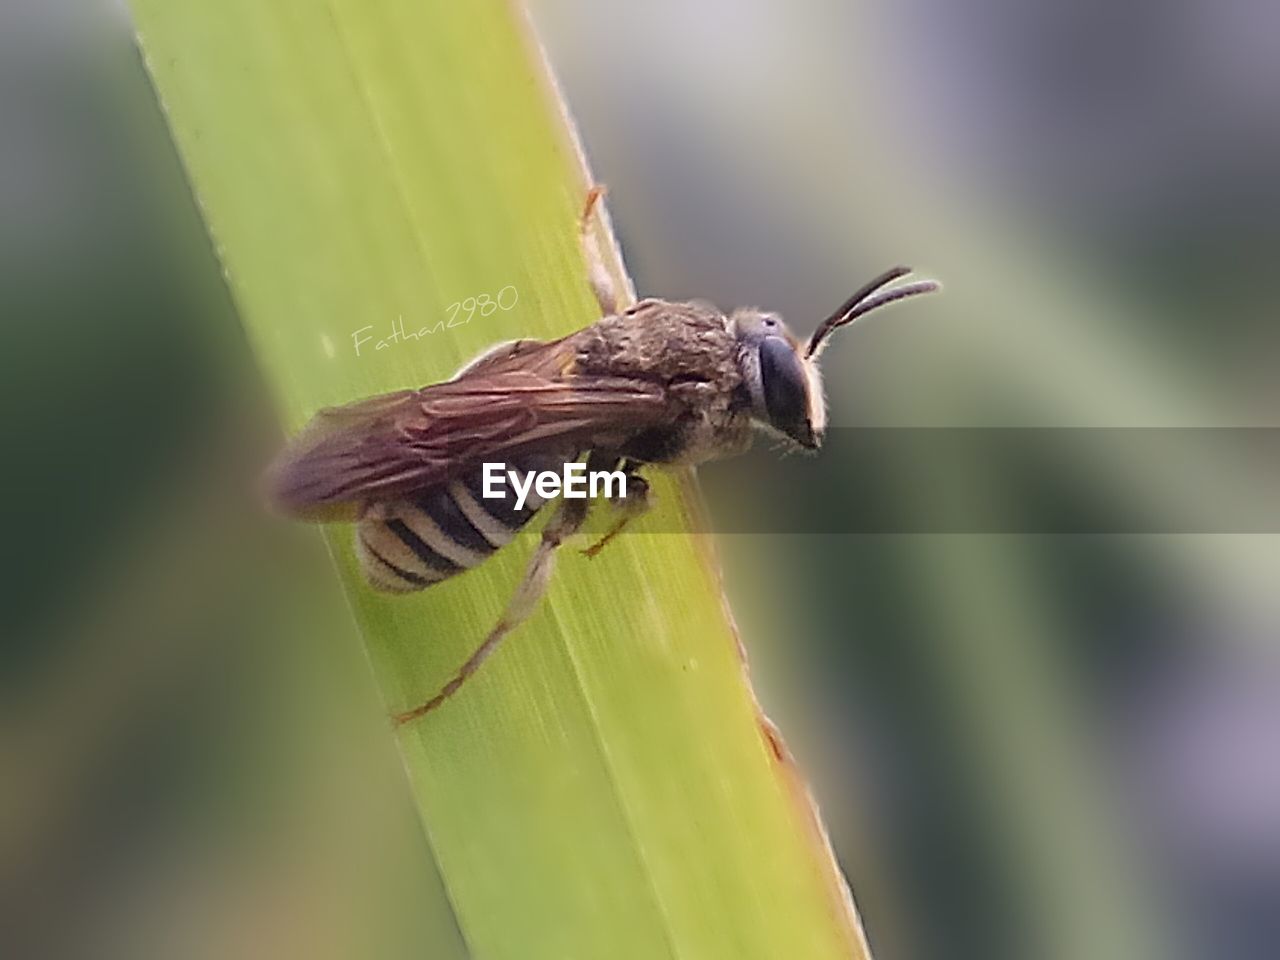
[
  {"x": 635, "y": 504},
  {"x": 565, "y": 521},
  {"x": 611, "y": 295}
]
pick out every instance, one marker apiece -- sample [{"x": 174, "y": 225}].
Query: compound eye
[{"x": 785, "y": 388}]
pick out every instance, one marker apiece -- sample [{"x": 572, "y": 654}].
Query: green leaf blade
[{"x": 603, "y": 787}]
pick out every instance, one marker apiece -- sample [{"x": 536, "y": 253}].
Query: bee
[{"x": 659, "y": 383}]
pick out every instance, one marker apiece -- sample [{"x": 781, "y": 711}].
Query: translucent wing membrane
[{"x": 402, "y": 444}]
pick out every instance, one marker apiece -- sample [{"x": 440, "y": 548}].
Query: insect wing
[{"x": 397, "y": 444}]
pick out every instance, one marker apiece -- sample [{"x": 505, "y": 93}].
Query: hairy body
[{"x": 660, "y": 382}]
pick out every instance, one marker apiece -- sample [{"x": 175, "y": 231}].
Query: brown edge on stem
[{"x": 842, "y": 906}]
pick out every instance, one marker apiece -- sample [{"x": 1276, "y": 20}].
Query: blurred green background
[{"x": 1025, "y": 744}]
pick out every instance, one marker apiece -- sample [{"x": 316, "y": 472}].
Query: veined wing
[{"x": 397, "y": 444}]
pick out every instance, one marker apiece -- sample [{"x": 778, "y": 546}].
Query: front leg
[
  {"x": 596, "y": 234},
  {"x": 636, "y": 503}
]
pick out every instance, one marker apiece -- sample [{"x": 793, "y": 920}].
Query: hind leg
[{"x": 566, "y": 521}]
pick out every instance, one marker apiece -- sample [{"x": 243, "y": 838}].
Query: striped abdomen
[{"x": 406, "y": 545}]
